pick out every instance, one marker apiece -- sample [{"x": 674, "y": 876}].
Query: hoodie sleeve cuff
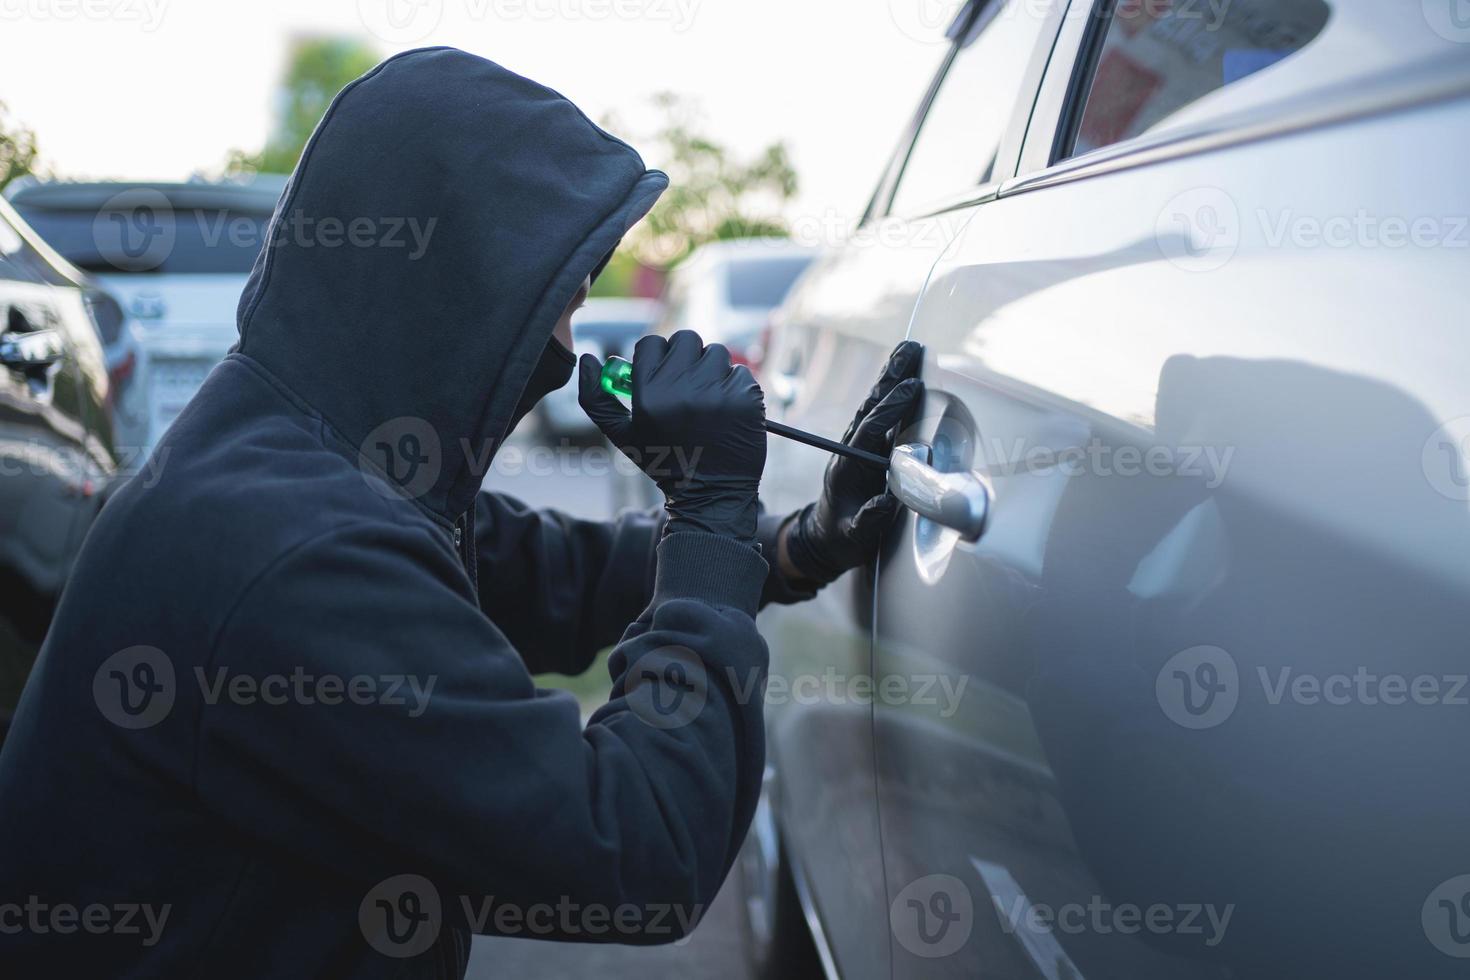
[
  {"x": 711, "y": 567},
  {"x": 777, "y": 589}
]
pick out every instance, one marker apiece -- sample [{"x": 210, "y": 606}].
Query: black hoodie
[{"x": 276, "y": 729}]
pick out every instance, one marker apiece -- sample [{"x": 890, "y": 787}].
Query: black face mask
[{"x": 551, "y": 372}]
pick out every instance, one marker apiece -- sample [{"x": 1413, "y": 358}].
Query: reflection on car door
[{"x": 1225, "y": 457}]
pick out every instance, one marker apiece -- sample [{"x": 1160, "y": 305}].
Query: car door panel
[{"x": 1212, "y": 460}]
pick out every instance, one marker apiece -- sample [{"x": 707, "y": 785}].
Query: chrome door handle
[
  {"x": 960, "y": 501},
  {"x": 35, "y": 348}
]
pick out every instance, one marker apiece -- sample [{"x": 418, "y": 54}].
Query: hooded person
[{"x": 284, "y": 722}]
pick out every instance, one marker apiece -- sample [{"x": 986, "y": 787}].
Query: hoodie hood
[{"x": 480, "y": 201}]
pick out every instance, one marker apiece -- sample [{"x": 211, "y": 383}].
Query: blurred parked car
[
  {"x": 176, "y": 255},
  {"x": 57, "y": 460},
  {"x": 1161, "y": 672},
  {"x": 725, "y": 292},
  {"x": 603, "y": 327}
]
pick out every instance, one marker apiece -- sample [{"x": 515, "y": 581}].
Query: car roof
[
  {"x": 257, "y": 194},
  {"x": 608, "y": 309}
]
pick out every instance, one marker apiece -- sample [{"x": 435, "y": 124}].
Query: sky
[{"x": 161, "y": 89}]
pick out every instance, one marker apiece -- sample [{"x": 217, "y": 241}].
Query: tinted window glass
[
  {"x": 204, "y": 241},
  {"x": 19, "y": 261},
  {"x": 1161, "y": 55},
  {"x": 961, "y": 133},
  {"x": 763, "y": 283}
]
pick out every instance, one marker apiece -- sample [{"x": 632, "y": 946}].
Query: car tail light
[
  {"x": 756, "y": 355},
  {"x": 121, "y": 375}
]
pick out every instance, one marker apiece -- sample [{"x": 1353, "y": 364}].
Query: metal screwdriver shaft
[{"x": 617, "y": 379}]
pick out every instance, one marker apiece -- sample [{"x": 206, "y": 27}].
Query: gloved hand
[
  {"x": 696, "y": 428},
  {"x": 842, "y": 529}
]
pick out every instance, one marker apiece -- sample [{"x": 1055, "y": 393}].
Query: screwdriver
[{"x": 617, "y": 379}]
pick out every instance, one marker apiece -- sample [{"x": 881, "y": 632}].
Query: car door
[
  {"x": 49, "y": 455},
  {"x": 829, "y": 344},
  {"x": 1194, "y": 357}
]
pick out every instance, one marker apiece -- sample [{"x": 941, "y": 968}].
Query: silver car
[
  {"x": 725, "y": 291},
  {"x": 177, "y": 256},
  {"x": 1162, "y": 672}
]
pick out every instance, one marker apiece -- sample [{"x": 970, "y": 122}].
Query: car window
[
  {"x": 1159, "y": 56},
  {"x": 195, "y": 241},
  {"x": 20, "y": 262},
  {"x": 957, "y": 143},
  {"x": 763, "y": 283}
]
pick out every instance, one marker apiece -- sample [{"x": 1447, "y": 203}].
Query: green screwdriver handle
[{"x": 617, "y": 379}]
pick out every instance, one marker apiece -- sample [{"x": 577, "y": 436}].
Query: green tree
[
  {"x": 712, "y": 195},
  {"x": 316, "y": 70},
  {"x": 19, "y": 155}
]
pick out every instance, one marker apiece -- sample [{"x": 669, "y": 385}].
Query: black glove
[
  {"x": 697, "y": 429},
  {"x": 843, "y": 528}
]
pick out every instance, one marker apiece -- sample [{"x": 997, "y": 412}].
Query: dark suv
[{"x": 57, "y": 458}]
